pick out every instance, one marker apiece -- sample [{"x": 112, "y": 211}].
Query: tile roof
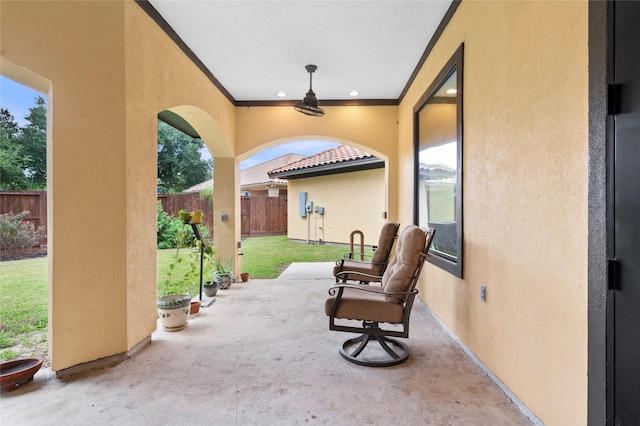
[
  {"x": 199, "y": 187},
  {"x": 339, "y": 154},
  {"x": 257, "y": 174}
]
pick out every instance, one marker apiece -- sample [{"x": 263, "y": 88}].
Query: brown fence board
[
  {"x": 172, "y": 203},
  {"x": 260, "y": 216},
  {"x": 33, "y": 201},
  {"x": 263, "y": 216}
]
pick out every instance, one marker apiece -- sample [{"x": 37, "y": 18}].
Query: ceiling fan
[{"x": 309, "y": 105}]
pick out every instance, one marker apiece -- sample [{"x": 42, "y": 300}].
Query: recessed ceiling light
[
  {"x": 354, "y": 93},
  {"x": 281, "y": 94},
  {"x": 452, "y": 91}
]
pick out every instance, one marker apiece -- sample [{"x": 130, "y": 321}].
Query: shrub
[
  {"x": 16, "y": 233},
  {"x": 172, "y": 233}
]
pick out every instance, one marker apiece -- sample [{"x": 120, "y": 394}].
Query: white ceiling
[{"x": 257, "y": 48}]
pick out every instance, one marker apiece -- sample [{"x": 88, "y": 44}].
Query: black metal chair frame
[
  {"x": 371, "y": 330},
  {"x": 344, "y": 274}
]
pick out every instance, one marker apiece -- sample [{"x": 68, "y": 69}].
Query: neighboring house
[
  {"x": 346, "y": 187},
  {"x": 255, "y": 182}
]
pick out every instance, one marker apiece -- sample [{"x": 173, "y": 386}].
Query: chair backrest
[
  {"x": 388, "y": 234},
  {"x": 404, "y": 269}
]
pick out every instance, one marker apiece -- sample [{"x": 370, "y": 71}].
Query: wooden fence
[
  {"x": 260, "y": 216},
  {"x": 172, "y": 203},
  {"x": 33, "y": 201}
]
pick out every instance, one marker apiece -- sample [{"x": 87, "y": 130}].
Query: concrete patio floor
[{"x": 262, "y": 354}]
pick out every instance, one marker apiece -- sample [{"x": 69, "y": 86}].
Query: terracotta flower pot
[
  {"x": 195, "y": 307},
  {"x": 244, "y": 276}
]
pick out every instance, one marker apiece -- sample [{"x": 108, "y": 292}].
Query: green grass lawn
[{"x": 23, "y": 285}]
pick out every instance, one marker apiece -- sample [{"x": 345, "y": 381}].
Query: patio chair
[
  {"x": 390, "y": 303},
  {"x": 365, "y": 271}
]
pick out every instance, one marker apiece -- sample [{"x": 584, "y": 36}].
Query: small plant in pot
[
  {"x": 185, "y": 216},
  {"x": 223, "y": 275},
  {"x": 173, "y": 311},
  {"x": 176, "y": 288},
  {"x": 196, "y": 216},
  {"x": 173, "y": 306},
  {"x": 210, "y": 288}
]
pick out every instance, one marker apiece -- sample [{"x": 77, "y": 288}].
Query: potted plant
[
  {"x": 223, "y": 275},
  {"x": 196, "y": 216},
  {"x": 175, "y": 304},
  {"x": 173, "y": 311},
  {"x": 185, "y": 216},
  {"x": 210, "y": 288}
]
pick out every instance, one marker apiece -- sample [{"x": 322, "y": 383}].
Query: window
[{"x": 438, "y": 164}]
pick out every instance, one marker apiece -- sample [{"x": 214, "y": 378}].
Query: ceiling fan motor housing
[{"x": 309, "y": 105}]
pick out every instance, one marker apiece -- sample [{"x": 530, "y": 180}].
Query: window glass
[{"x": 438, "y": 186}]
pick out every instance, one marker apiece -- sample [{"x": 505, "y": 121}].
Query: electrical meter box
[{"x": 302, "y": 205}]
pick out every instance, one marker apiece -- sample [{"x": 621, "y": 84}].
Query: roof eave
[{"x": 331, "y": 169}]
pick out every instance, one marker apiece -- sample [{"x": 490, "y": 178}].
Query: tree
[
  {"x": 33, "y": 138},
  {"x": 23, "y": 150},
  {"x": 12, "y": 161},
  {"x": 180, "y": 165}
]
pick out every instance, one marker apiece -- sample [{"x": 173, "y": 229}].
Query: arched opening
[
  {"x": 25, "y": 314},
  {"x": 185, "y": 132},
  {"x": 337, "y": 188}
]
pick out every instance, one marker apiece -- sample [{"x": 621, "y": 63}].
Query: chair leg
[{"x": 397, "y": 356}]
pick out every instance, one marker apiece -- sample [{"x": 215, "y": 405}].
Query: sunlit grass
[
  {"x": 23, "y": 285},
  {"x": 23, "y": 297}
]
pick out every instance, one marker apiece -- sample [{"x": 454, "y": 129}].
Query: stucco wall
[
  {"x": 525, "y": 198},
  {"x": 108, "y": 70},
  {"x": 371, "y": 128},
  {"x": 352, "y": 201}
]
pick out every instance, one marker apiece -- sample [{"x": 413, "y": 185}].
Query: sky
[{"x": 18, "y": 99}]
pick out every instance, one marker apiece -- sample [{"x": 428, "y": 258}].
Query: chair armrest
[
  {"x": 370, "y": 289},
  {"x": 350, "y": 255},
  {"x": 341, "y": 262},
  {"x": 362, "y": 274}
]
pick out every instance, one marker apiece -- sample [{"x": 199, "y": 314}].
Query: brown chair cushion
[
  {"x": 385, "y": 242},
  {"x": 355, "y": 266},
  {"x": 365, "y": 305},
  {"x": 399, "y": 273}
]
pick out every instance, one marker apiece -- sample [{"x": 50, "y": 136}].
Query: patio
[{"x": 263, "y": 354}]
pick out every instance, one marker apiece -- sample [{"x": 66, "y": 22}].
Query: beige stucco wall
[
  {"x": 108, "y": 70},
  {"x": 352, "y": 201},
  {"x": 371, "y": 128},
  {"x": 525, "y": 198}
]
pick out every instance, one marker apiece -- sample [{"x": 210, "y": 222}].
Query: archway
[
  {"x": 344, "y": 186},
  {"x": 226, "y": 226},
  {"x": 25, "y": 309}
]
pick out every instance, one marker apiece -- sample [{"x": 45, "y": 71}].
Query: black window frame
[{"x": 450, "y": 264}]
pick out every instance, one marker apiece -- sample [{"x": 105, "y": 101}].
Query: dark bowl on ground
[{"x": 18, "y": 371}]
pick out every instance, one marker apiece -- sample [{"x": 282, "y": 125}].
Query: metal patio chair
[{"x": 390, "y": 302}]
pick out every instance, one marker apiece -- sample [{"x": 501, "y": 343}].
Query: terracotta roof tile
[
  {"x": 254, "y": 175},
  {"x": 339, "y": 154}
]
